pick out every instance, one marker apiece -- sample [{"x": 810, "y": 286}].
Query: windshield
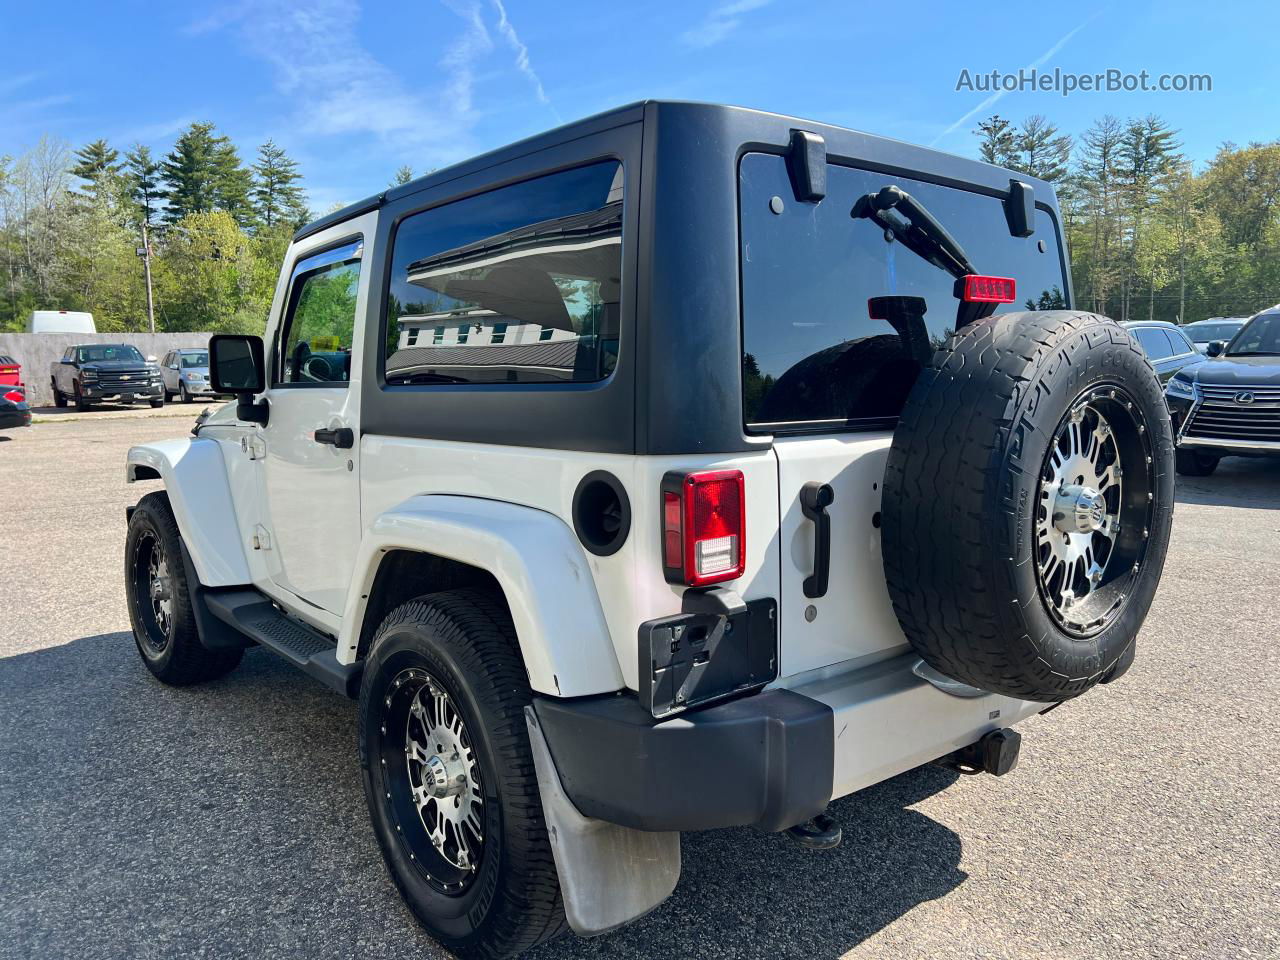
[
  {"x": 108, "y": 351},
  {"x": 195, "y": 359},
  {"x": 1208, "y": 332},
  {"x": 1259, "y": 337}
]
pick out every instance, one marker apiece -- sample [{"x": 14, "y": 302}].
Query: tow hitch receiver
[
  {"x": 996, "y": 753},
  {"x": 820, "y": 833}
]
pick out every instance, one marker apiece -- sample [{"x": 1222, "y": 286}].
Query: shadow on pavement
[
  {"x": 1238, "y": 482},
  {"x": 229, "y": 820}
]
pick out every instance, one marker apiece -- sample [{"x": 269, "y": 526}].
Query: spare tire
[{"x": 1028, "y": 498}]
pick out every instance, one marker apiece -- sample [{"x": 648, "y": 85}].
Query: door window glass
[
  {"x": 1154, "y": 343},
  {"x": 320, "y": 322}
]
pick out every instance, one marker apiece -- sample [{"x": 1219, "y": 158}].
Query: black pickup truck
[{"x": 90, "y": 372}]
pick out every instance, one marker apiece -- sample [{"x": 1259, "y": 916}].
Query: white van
[{"x": 60, "y": 321}]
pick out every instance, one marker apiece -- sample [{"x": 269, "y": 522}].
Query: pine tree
[
  {"x": 276, "y": 196},
  {"x": 189, "y": 171},
  {"x": 1042, "y": 151},
  {"x": 999, "y": 143},
  {"x": 233, "y": 182},
  {"x": 96, "y": 161},
  {"x": 203, "y": 173},
  {"x": 143, "y": 175}
]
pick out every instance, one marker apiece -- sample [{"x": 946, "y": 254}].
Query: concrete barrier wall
[{"x": 36, "y": 351}]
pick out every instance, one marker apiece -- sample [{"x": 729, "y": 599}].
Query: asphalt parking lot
[{"x": 228, "y": 820}]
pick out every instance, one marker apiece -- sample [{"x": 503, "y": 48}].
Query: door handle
[
  {"x": 814, "y": 499},
  {"x": 341, "y": 437}
]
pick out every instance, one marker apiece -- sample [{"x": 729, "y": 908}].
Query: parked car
[
  {"x": 1167, "y": 347},
  {"x": 14, "y": 411},
  {"x": 186, "y": 374},
  {"x": 1229, "y": 405},
  {"x": 10, "y": 371},
  {"x": 621, "y": 515},
  {"x": 1204, "y": 332},
  {"x": 60, "y": 321},
  {"x": 92, "y": 372}
]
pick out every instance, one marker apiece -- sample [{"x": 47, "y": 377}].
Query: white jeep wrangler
[{"x": 685, "y": 467}]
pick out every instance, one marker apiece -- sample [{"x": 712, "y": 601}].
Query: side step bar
[{"x": 255, "y": 616}]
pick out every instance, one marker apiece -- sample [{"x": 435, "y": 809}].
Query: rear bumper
[
  {"x": 11, "y": 419},
  {"x": 765, "y": 760},
  {"x": 770, "y": 760}
]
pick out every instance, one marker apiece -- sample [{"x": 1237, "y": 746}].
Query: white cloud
[
  {"x": 720, "y": 22},
  {"x": 991, "y": 100},
  {"x": 522, "y": 53}
]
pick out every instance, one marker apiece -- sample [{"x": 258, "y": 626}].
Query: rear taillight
[
  {"x": 15, "y": 396},
  {"x": 704, "y": 527},
  {"x": 978, "y": 289}
]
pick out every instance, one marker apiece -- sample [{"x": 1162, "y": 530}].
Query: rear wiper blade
[{"x": 918, "y": 230}]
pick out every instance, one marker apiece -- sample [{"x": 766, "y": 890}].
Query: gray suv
[{"x": 186, "y": 374}]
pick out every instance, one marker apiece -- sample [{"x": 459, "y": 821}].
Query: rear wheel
[
  {"x": 449, "y": 777},
  {"x": 164, "y": 626},
  {"x": 1193, "y": 463}
]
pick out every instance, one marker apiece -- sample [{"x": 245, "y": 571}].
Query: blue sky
[{"x": 353, "y": 90}]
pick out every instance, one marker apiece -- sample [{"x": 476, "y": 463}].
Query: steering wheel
[{"x": 317, "y": 368}]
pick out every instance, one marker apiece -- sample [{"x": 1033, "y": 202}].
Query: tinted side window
[
  {"x": 1154, "y": 343},
  {"x": 1180, "y": 342},
  {"x": 521, "y": 284},
  {"x": 320, "y": 318},
  {"x": 815, "y": 350}
]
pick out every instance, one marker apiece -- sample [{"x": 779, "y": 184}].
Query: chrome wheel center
[
  {"x": 1079, "y": 509},
  {"x": 444, "y": 776},
  {"x": 1078, "y": 519},
  {"x": 160, "y": 588}
]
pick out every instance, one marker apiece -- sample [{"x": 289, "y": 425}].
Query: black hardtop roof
[{"x": 740, "y": 124}]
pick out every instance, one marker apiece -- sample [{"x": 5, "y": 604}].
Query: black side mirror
[
  {"x": 236, "y": 366},
  {"x": 1216, "y": 348}
]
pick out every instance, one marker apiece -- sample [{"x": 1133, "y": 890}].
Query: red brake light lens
[
  {"x": 979, "y": 289},
  {"x": 704, "y": 527},
  {"x": 15, "y": 396}
]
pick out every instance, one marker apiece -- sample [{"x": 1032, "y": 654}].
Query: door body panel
[{"x": 310, "y": 523}]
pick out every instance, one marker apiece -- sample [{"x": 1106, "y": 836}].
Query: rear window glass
[
  {"x": 813, "y": 356},
  {"x": 518, "y": 285}
]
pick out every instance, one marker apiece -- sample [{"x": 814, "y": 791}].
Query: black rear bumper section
[{"x": 765, "y": 761}]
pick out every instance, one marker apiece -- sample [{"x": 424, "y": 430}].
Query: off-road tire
[
  {"x": 963, "y": 489},
  {"x": 182, "y": 659},
  {"x": 59, "y": 398},
  {"x": 465, "y": 640},
  {"x": 1193, "y": 463}
]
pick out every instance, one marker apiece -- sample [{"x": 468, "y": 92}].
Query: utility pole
[{"x": 145, "y": 253}]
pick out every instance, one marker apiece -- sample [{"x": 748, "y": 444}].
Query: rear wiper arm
[{"x": 917, "y": 229}]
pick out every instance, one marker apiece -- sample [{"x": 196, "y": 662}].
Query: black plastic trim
[
  {"x": 592, "y": 544},
  {"x": 766, "y": 760}
]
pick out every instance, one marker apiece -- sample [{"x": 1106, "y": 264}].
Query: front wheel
[
  {"x": 449, "y": 777},
  {"x": 164, "y": 625},
  {"x": 81, "y": 403},
  {"x": 183, "y": 393},
  {"x": 59, "y": 398},
  {"x": 1193, "y": 463}
]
